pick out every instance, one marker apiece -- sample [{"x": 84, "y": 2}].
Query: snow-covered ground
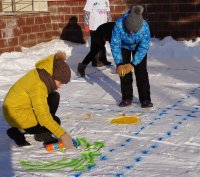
[{"x": 165, "y": 144}]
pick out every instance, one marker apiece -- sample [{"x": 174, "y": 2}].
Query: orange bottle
[{"x": 53, "y": 146}]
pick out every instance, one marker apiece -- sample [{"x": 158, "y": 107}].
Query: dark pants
[
  {"x": 142, "y": 78},
  {"x": 53, "y": 102},
  {"x": 91, "y": 55},
  {"x": 96, "y": 50}
]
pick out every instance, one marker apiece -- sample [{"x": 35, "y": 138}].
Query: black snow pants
[
  {"x": 53, "y": 102},
  {"x": 142, "y": 79}
]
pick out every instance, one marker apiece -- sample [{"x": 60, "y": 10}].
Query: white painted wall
[{"x": 25, "y": 5}]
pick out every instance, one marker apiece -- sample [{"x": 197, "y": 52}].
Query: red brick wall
[
  {"x": 26, "y": 30},
  {"x": 10, "y": 34},
  {"x": 177, "y": 18},
  {"x": 36, "y": 28},
  {"x": 0, "y": 6}
]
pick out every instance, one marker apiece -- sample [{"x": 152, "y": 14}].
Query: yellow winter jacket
[{"x": 26, "y": 102}]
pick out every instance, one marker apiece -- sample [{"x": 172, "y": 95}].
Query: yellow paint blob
[{"x": 126, "y": 120}]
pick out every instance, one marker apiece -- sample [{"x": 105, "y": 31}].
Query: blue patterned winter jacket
[{"x": 138, "y": 41}]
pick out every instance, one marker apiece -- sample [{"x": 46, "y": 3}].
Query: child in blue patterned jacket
[{"x": 131, "y": 35}]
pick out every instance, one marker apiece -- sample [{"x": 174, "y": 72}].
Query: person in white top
[{"x": 96, "y": 13}]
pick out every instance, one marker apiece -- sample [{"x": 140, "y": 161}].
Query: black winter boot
[
  {"x": 100, "y": 64},
  {"x": 17, "y": 136},
  {"x": 81, "y": 69},
  {"x": 146, "y": 104},
  {"x": 45, "y": 137},
  {"x": 125, "y": 103}
]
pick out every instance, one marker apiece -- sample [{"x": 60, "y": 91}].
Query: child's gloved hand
[
  {"x": 121, "y": 70},
  {"x": 129, "y": 68},
  {"x": 87, "y": 29},
  {"x": 67, "y": 141}
]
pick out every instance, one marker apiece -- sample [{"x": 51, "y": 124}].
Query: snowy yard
[{"x": 166, "y": 143}]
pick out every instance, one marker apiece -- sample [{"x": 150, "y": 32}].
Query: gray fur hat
[{"x": 133, "y": 21}]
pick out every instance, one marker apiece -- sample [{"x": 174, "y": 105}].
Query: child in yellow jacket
[{"x": 31, "y": 103}]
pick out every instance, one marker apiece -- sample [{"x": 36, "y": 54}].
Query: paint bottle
[{"x": 58, "y": 145}]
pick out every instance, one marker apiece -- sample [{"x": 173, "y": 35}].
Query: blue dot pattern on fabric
[
  {"x": 119, "y": 174},
  {"x": 111, "y": 150},
  {"x": 154, "y": 146},
  {"x": 137, "y": 159},
  {"x": 137, "y": 133},
  {"x": 145, "y": 152},
  {"x": 129, "y": 167},
  {"x": 128, "y": 140},
  {"x": 103, "y": 158},
  {"x": 175, "y": 127},
  {"x": 91, "y": 166},
  {"x": 167, "y": 134},
  {"x": 78, "y": 175}
]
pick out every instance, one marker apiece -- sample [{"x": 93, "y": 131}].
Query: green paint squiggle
[{"x": 87, "y": 159}]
